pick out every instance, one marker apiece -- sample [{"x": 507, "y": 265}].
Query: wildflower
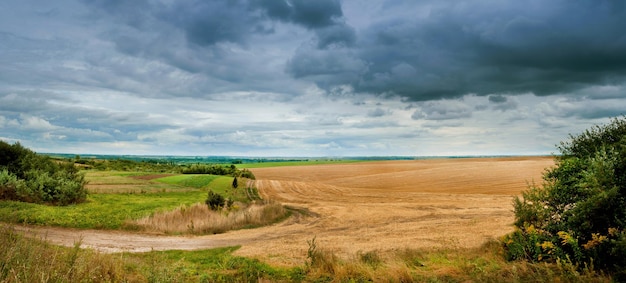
[
  {"x": 596, "y": 239},
  {"x": 547, "y": 246}
]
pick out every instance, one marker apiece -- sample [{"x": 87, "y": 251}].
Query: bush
[
  {"x": 26, "y": 176},
  {"x": 578, "y": 214},
  {"x": 245, "y": 173},
  {"x": 215, "y": 201}
]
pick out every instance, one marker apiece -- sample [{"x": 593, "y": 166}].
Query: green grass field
[
  {"x": 190, "y": 180},
  {"x": 119, "y": 198},
  {"x": 101, "y": 211}
]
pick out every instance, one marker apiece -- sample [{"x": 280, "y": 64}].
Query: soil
[{"x": 358, "y": 207}]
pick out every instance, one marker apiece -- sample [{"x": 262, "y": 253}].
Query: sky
[{"x": 308, "y": 78}]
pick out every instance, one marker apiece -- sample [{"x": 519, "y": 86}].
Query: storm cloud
[
  {"x": 484, "y": 47},
  {"x": 296, "y": 77}
]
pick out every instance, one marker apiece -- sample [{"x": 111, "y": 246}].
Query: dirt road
[{"x": 359, "y": 207}]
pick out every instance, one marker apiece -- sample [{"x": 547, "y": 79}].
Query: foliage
[
  {"x": 578, "y": 215},
  {"x": 245, "y": 173},
  {"x": 235, "y": 185},
  {"x": 217, "y": 170},
  {"x": 215, "y": 201},
  {"x": 26, "y": 176},
  {"x": 210, "y": 169}
]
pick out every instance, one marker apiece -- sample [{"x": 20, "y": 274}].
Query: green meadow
[{"x": 120, "y": 197}]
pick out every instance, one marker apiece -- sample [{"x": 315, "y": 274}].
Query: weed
[{"x": 371, "y": 258}]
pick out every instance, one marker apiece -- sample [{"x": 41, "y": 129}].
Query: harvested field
[
  {"x": 396, "y": 204},
  {"x": 365, "y": 206}
]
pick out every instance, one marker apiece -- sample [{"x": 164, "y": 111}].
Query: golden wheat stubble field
[{"x": 391, "y": 204}]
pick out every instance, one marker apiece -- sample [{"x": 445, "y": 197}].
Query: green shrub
[
  {"x": 26, "y": 176},
  {"x": 578, "y": 214},
  {"x": 215, "y": 201},
  {"x": 245, "y": 173}
]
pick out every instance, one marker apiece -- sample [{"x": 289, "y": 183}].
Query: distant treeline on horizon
[{"x": 242, "y": 160}]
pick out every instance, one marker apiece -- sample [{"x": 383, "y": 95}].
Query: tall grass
[
  {"x": 199, "y": 219},
  {"x": 25, "y": 259},
  {"x": 484, "y": 264},
  {"x": 28, "y": 260}
]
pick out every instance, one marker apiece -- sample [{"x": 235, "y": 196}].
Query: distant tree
[
  {"x": 578, "y": 214},
  {"x": 235, "y": 182}
]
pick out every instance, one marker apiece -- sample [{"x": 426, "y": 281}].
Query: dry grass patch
[
  {"x": 448, "y": 264},
  {"x": 199, "y": 219},
  {"x": 34, "y": 260}
]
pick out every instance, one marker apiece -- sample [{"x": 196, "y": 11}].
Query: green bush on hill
[
  {"x": 26, "y": 176},
  {"x": 578, "y": 215}
]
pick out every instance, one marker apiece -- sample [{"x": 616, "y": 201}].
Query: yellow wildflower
[
  {"x": 547, "y": 246},
  {"x": 596, "y": 239},
  {"x": 565, "y": 237}
]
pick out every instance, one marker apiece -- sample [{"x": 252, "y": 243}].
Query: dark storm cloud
[
  {"x": 336, "y": 35},
  {"x": 223, "y": 41},
  {"x": 311, "y": 14},
  {"x": 324, "y": 17},
  {"x": 502, "y": 103},
  {"x": 497, "y": 98},
  {"x": 485, "y": 47},
  {"x": 207, "y": 23}
]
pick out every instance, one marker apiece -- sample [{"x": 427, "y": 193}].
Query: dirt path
[{"x": 358, "y": 207}]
